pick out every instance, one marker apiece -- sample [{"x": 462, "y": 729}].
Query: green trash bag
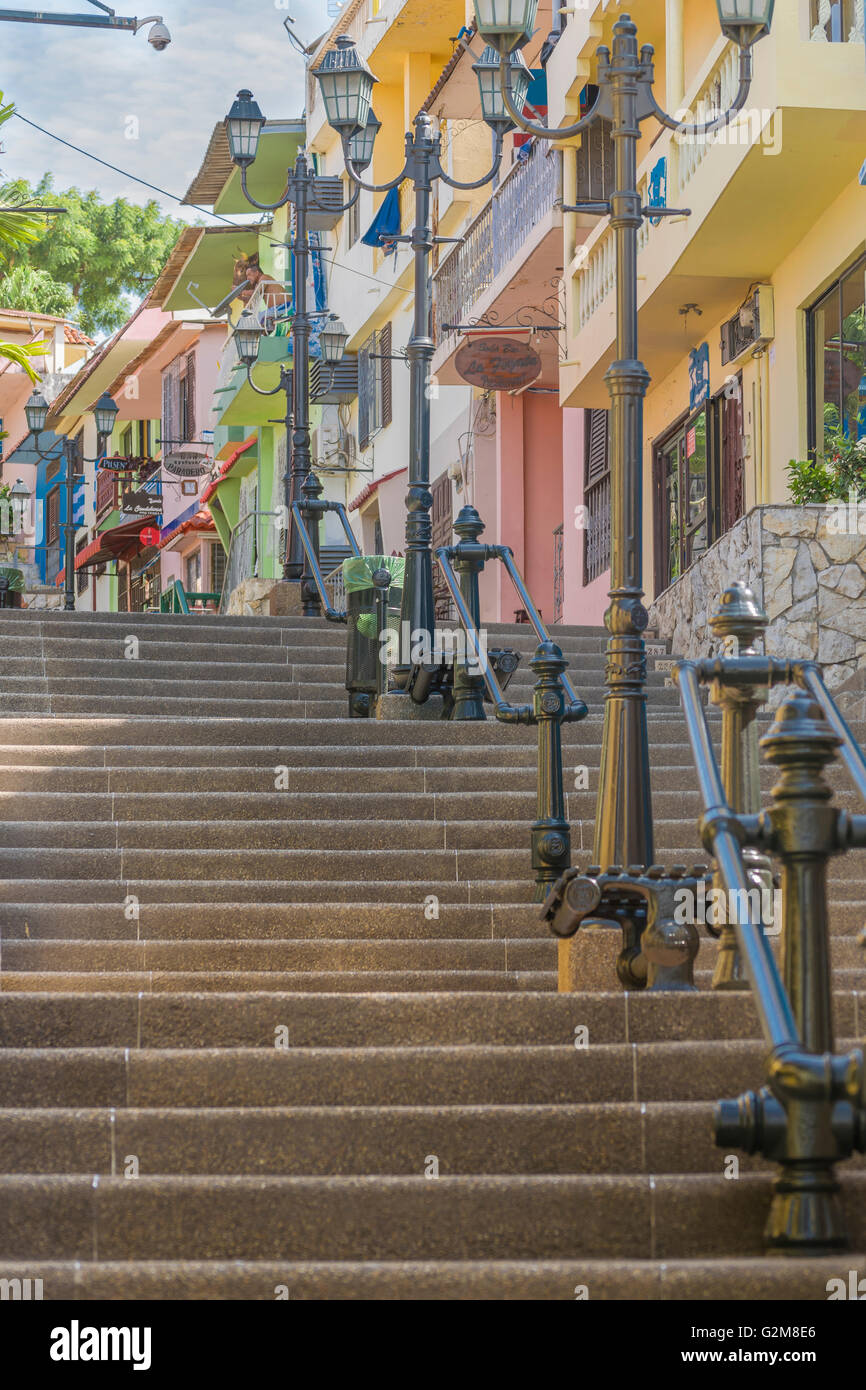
[{"x": 362, "y": 646}]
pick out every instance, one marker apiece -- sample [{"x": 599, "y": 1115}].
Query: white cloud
[{"x": 95, "y": 89}]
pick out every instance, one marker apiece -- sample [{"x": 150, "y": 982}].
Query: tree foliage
[
  {"x": 34, "y": 290},
  {"x": 106, "y": 254}
]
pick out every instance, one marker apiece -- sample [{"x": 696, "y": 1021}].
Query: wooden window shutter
[
  {"x": 167, "y": 435},
  {"x": 385, "y": 350},
  {"x": 364, "y": 383},
  {"x": 597, "y": 460},
  {"x": 190, "y": 431}
]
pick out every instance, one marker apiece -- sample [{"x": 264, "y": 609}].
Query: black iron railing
[
  {"x": 554, "y": 700},
  {"x": 811, "y": 1112}
]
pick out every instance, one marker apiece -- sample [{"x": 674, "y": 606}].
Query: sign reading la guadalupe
[{"x": 497, "y": 363}]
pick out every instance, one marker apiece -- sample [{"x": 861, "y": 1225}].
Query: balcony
[
  {"x": 755, "y": 189},
  {"x": 508, "y": 263}
]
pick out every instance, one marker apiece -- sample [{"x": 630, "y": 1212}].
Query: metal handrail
[
  {"x": 554, "y": 700},
  {"x": 808, "y": 675},
  {"x": 720, "y": 837},
  {"x": 812, "y": 1112},
  {"x": 508, "y": 713},
  {"x": 333, "y": 615}
]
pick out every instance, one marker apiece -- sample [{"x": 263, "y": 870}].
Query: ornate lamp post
[
  {"x": 346, "y": 85},
  {"x": 105, "y": 413},
  {"x": 625, "y": 78},
  {"x": 244, "y": 125}
]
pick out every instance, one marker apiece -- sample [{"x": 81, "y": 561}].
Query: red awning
[
  {"x": 227, "y": 466},
  {"x": 120, "y": 543},
  {"x": 366, "y": 493}
]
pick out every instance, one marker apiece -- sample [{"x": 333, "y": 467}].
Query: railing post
[
  {"x": 468, "y": 560},
  {"x": 805, "y": 834},
  {"x": 738, "y": 623},
  {"x": 797, "y": 1121},
  {"x": 551, "y": 832}
]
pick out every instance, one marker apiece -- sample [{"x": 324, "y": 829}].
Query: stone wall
[{"x": 806, "y": 565}]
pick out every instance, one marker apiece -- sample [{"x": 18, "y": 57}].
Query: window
[
  {"x": 81, "y": 575},
  {"x": 836, "y": 330},
  {"x": 595, "y": 158},
  {"x": 374, "y": 385},
  {"x": 178, "y": 402},
  {"x": 217, "y": 568},
  {"x": 680, "y": 485},
  {"x": 192, "y": 567},
  {"x": 596, "y": 495},
  {"x": 186, "y": 402},
  {"x": 352, "y": 219},
  {"x": 52, "y": 514}
]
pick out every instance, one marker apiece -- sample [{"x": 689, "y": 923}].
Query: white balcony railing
[
  {"x": 837, "y": 21},
  {"x": 598, "y": 272},
  {"x": 271, "y": 306},
  {"x": 531, "y": 189},
  {"x": 717, "y": 95}
]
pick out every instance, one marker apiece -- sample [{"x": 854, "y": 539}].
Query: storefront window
[{"x": 837, "y": 361}]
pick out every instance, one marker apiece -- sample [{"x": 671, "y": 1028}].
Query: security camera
[{"x": 159, "y": 37}]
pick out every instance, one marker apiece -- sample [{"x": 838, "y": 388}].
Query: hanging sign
[
  {"x": 115, "y": 463},
  {"x": 141, "y": 504},
  {"x": 699, "y": 376},
  {"x": 187, "y": 465},
  {"x": 149, "y": 536},
  {"x": 497, "y": 363}
]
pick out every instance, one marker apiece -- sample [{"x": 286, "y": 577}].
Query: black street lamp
[
  {"x": 105, "y": 413},
  {"x": 346, "y": 85},
  {"x": 244, "y": 124},
  {"x": 625, "y": 79}
]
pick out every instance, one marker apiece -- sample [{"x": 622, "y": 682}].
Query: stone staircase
[{"x": 278, "y": 1015}]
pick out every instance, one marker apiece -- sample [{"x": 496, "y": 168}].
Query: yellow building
[{"x": 752, "y": 308}]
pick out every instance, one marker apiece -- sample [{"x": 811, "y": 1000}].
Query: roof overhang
[
  {"x": 218, "y": 182},
  {"x": 199, "y": 270}
]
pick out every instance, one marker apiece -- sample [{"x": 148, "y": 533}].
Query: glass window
[
  {"x": 837, "y": 365},
  {"x": 193, "y": 573}
]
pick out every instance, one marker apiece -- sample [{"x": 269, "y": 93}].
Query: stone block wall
[{"x": 806, "y": 565}]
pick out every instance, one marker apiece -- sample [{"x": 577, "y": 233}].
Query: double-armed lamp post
[
  {"x": 625, "y": 80},
  {"x": 105, "y": 413},
  {"x": 244, "y": 125},
  {"x": 346, "y": 85}
]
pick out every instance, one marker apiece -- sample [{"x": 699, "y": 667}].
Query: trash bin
[
  {"x": 11, "y": 587},
  {"x": 363, "y": 643}
]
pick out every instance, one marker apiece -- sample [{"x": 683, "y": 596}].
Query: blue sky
[{"x": 94, "y": 88}]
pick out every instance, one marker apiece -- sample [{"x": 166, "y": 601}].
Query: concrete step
[
  {"x": 286, "y": 956},
  {"x": 710, "y": 1280},
  {"x": 176, "y": 891},
  {"x": 391, "y": 1218},
  {"x": 346, "y": 982},
  {"x": 464, "y": 1075},
  {"x": 98, "y": 1019}
]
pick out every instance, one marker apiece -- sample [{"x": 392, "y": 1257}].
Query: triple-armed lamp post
[
  {"x": 105, "y": 413},
  {"x": 346, "y": 85},
  {"x": 625, "y": 79},
  {"x": 244, "y": 125}
]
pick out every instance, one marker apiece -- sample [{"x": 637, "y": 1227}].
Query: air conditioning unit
[{"x": 753, "y": 326}]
